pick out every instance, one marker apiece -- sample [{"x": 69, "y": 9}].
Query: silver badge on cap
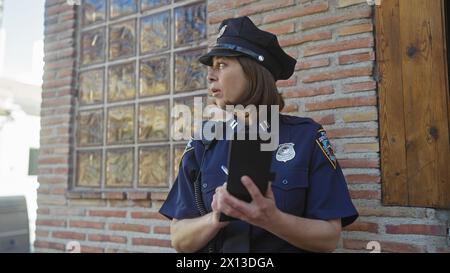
[
  {"x": 285, "y": 152},
  {"x": 222, "y": 30}
]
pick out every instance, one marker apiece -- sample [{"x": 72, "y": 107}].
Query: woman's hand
[{"x": 259, "y": 212}]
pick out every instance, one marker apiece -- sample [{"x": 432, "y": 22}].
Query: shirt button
[
  {"x": 285, "y": 182},
  {"x": 205, "y": 185}
]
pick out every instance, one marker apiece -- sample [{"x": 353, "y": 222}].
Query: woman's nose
[{"x": 211, "y": 77}]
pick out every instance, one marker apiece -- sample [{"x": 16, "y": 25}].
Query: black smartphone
[{"x": 246, "y": 158}]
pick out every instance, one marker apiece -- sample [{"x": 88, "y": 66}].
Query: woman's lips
[{"x": 215, "y": 92}]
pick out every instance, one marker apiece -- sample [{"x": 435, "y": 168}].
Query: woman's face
[{"x": 227, "y": 82}]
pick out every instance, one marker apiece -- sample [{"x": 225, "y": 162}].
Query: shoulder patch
[{"x": 325, "y": 145}]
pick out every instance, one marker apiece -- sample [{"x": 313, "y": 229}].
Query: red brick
[
  {"x": 347, "y": 3},
  {"x": 392, "y": 212},
  {"x": 385, "y": 246},
  {"x": 115, "y": 250},
  {"x": 402, "y": 247},
  {"x": 341, "y": 103},
  {"x": 91, "y": 195},
  {"x": 292, "y": 40},
  {"x": 324, "y": 119},
  {"x": 138, "y": 195},
  {"x": 51, "y": 180},
  {"x": 147, "y": 215},
  {"x": 107, "y": 238},
  {"x": 57, "y": 101},
  {"x": 361, "y": 147},
  {"x": 90, "y": 249},
  {"x": 60, "y": 27},
  {"x": 308, "y": 92},
  {"x": 280, "y": 29},
  {"x": 43, "y": 211},
  {"x": 69, "y": 235},
  {"x": 219, "y": 5},
  {"x": 296, "y": 11},
  {"x": 61, "y": 170},
  {"x": 360, "y": 86},
  {"x": 359, "y": 163},
  {"x": 360, "y": 116},
  {"x": 355, "y": 29},
  {"x": 49, "y": 3},
  {"x": 356, "y": 58},
  {"x": 51, "y": 49},
  {"x": 159, "y": 195},
  {"x": 338, "y": 46},
  {"x": 443, "y": 250},
  {"x": 42, "y": 190},
  {"x": 57, "y": 9},
  {"x": 304, "y": 65},
  {"x": 263, "y": 7},
  {"x": 151, "y": 242},
  {"x": 66, "y": 73},
  {"x": 363, "y": 227},
  {"x": 87, "y": 224},
  {"x": 51, "y": 223},
  {"x": 238, "y": 3},
  {"x": 107, "y": 213},
  {"x": 49, "y": 245},
  {"x": 365, "y": 194},
  {"x": 362, "y": 178},
  {"x": 53, "y": 160},
  {"x": 420, "y": 229},
  {"x": 142, "y": 203},
  {"x": 351, "y": 132},
  {"x": 355, "y": 14},
  {"x": 161, "y": 230},
  {"x": 58, "y": 191},
  {"x": 129, "y": 227},
  {"x": 42, "y": 233},
  {"x": 338, "y": 74},
  {"x": 219, "y": 18},
  {"x": 289, "y": 82},
  {"x": 114, "y": 195},
  {"x": 49, "y": 121},
  {"x": 290, "y": 107}
]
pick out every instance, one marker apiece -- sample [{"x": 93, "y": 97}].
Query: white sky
[{"x": 23, "y": 28}]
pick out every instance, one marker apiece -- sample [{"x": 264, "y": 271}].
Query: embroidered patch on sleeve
[{"x": 325, "y": 145}]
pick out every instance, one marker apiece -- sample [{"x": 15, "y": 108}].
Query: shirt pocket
[
  {"x": 208, "y": 185},
  {"x": 290, "y": 190}
]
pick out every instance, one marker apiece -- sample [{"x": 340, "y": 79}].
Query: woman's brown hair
[{"x": 262, "y": 87}]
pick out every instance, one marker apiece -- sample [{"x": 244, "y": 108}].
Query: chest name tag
[{"x": 285, "y": 152}]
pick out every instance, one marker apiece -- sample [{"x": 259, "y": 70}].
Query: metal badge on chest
[{"x": 285, "y": 152}]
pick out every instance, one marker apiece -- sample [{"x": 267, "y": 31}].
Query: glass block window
[{"x": 137, "y": 62}]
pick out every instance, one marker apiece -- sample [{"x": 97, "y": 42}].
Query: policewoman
[{"x": 305, "y": 206}]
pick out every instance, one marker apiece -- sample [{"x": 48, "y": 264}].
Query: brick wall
[
  {"x": 334, "y": 84},
  {"x": 101, "y": 222}
]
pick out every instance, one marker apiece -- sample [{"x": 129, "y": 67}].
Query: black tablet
[{"x": 246, "y": 158}]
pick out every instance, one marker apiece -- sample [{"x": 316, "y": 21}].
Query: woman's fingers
[
  {"x": 269, "y": 192},
  {"x": 255, "y": 193}
]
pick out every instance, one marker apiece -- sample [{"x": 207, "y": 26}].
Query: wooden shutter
[{"x": 414, "y": 103}]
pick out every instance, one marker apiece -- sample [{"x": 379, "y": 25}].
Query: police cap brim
[{"x": 207, "y": 59}]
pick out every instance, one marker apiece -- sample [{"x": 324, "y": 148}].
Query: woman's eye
[{"x": 221, "y": 66}]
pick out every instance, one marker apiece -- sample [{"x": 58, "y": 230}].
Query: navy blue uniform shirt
[{"x": 308, "y": 182}]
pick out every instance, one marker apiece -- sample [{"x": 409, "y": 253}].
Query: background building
[
  {"x": 21, "y": 70},
  {"x": 113, "y": 69},
  {"x": 19, "y": 144}
]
